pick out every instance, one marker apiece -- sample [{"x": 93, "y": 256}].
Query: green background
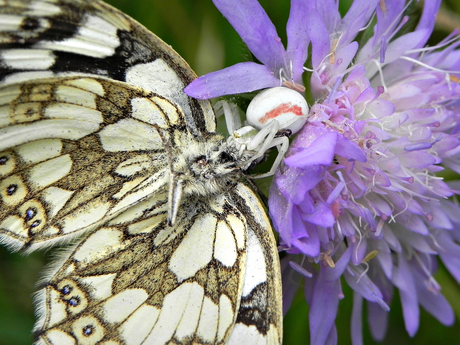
[{"x": 198, "y": 32}]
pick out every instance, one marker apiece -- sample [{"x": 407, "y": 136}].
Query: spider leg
[
  {"x": 232, "y": 117},
  {"x": 263, "y": 140},
  {"x": 282, "y": 144}
]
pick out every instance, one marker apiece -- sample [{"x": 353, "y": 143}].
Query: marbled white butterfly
[{"x": 102, "y": 151}]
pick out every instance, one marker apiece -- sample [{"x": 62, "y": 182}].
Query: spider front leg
[
  {"x": 263, "y": 140},
  {"x": 282, "y": 144},
  {"x": 232, "y": 116},
  {"x": 248, "y": 138}
]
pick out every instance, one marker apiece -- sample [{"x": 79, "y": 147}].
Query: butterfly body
[{"x": 101, "y": 150}]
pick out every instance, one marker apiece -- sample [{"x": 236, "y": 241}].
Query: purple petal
[
  {"x": 436, "y": 304},
  {"x": 239, "y": 78},
  {"x": 317, "y": 31},
  {"x": 324, "y": 301},
  {"x": 419, "y": 160},
  {"x": 386, "y": 22},
  {"x": 348, "y": 149},
  {"x": 452, "y": 264},
  {"x": 365, "y": 287},
  {"x": 308, "y": 245},
  {"x": 281, "y": 213},
  {"x": 296, "y": 188},
  {"x": 251, "y": 22},
  {"x": 402, "y": 278},
  {"x": 402, "y": 44},
  {"x": 322, "y": 215},
  {"x": 328, "y": 13},
  {"x": 357, "y": 17},
  {"x": 340, "y": 265},
  {"x": 291, "y": 282},
  {"x": 447, "y": 243},
  {"x": 344, "y": 56},
  {"x": 320, "y": 152},
  {"x": 378, "y": 320},
  {"x": 297, "y": 35},
  {"x": 357, "y": 320},
  {"x": 332, "y": 337},
  {"x": 323, "y": 309},
  {"x": 430, "y": 10}
]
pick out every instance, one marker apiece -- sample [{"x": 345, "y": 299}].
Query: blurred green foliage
[{"x": 198, "y": 32}]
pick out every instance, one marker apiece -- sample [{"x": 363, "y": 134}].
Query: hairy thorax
[{"x": 206, "y": 165}]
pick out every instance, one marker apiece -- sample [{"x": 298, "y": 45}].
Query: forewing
[
  {"x": 47, "y": 38},
  {"x": 260, "y": 319},
  {"x": 75, "y": 152},
  {"x": 139, "y": 281}
]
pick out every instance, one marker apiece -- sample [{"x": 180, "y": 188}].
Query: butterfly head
[{"x": 208, "y": 166}]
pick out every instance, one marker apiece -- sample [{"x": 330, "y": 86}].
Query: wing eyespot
[
  {"x": 30, "y": 213},
  {"x": 67, "y": 289},
  {"x": 11, "y": 189},
  {"x": 35, "y": 223},
  {"x": 3, "y": 160},
  {"x": 88, "y": 330},
  {"x": 73, "y": 301}
]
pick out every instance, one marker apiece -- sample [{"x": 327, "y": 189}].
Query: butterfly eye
[
  {"x": 287, "y": 106},
  {"x": 202, "y": 161},
  {"x": 225, "y": 157}
]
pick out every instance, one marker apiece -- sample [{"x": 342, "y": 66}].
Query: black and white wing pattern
[{"x": 98, "y": 143}]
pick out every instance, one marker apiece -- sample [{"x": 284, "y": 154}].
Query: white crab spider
[{"x": 272, "y": 110}]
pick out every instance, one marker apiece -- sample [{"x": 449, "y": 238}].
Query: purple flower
[
  {"x": 358, "y": 195},
  {"x": 279, "y": 66}
]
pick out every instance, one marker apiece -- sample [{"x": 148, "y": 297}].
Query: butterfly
[{"x": 103, "y": 153}]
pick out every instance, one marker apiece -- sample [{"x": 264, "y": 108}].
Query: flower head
[
  {"x": 358, "y": 196},
  {"x": 279, "y": 66}
]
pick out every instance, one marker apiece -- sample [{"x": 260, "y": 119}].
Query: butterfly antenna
[{"x": 175, "y": 181}]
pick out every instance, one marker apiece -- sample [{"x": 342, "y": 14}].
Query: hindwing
[{"x": 137, "y": 281}]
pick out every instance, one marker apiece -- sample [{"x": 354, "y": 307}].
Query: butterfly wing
[
  {"x": 76, "y": 152},
  {"x": 46, "y": 38},
  {"x": 138, "y": 281},
  {"x": 260, "y": 319}
]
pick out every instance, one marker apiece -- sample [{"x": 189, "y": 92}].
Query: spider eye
[{"x": 285, "y": 105}]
